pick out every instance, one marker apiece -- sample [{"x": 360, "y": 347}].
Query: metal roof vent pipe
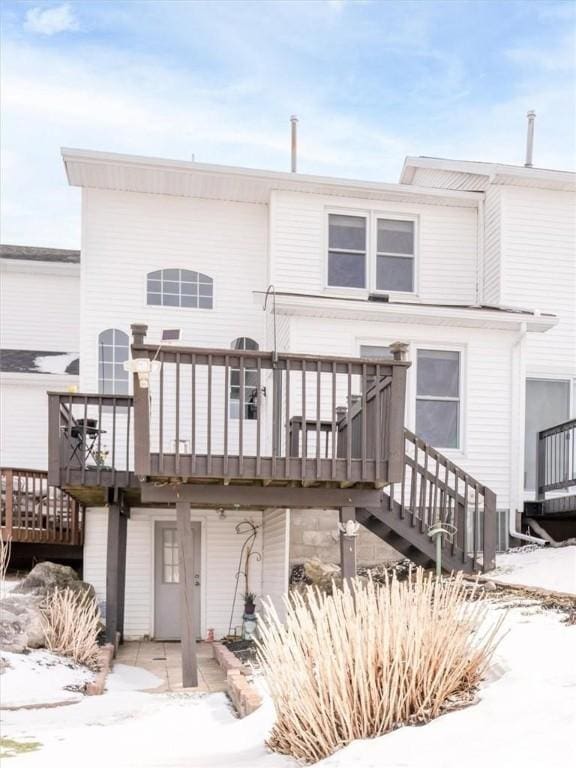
[
  {"x": 531, "y": 115},
  {"x": 294, "y": 143}
]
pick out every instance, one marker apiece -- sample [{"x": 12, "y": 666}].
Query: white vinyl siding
[
  {"x": 445, "y": 244},
  {"x": 220, "y": 555},
  {"x": 275, "y": 556}
]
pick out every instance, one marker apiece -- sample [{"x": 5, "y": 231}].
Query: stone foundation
[{"x": 313, "y": 533}]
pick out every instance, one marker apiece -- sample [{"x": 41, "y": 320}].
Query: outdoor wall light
[{"x": 143, "y": 367}]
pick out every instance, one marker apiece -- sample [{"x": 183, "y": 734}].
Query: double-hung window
[
  {"x": 438, "y": 397},
  {"x": 371, "y": 252}
]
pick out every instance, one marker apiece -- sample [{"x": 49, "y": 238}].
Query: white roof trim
[
  {"x": 465, "y": 316},
  {"x": 108, "y": 170},
  {"x": 494, "y": 172}
]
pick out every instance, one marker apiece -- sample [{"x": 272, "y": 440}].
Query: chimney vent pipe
[
  {"x": 531, "y": 115},
  {"x": 294, "y": 143}
]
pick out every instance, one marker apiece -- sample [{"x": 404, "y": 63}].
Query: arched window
[
  {"x": 113, "y": 351},
  {"x": 180, "y": 288},
  {"x": 250, "y": 384}
]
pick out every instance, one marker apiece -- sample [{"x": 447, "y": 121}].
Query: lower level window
[{"x": 438, "y": 397}]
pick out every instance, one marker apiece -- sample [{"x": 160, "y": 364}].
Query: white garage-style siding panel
[
  {"x": 220, "y": 553},
  {"x": 275, "y": 556},
  {"x": 446, "y": 244}
]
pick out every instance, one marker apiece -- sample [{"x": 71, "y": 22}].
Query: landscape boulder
[
  {"x": 44, "y": 578},
  {"x": 20, "y": 611}
]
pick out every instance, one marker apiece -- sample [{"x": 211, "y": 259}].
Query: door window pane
[
  {"x": 170, "y": 572},
  {"x": 113, "y": 347},
  {"x": 547, "y": 404}
]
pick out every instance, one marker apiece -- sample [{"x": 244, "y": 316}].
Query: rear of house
[{"x": 316, "y": 318}]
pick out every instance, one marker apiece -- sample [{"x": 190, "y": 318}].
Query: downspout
[{"x": 518, "y": 353}]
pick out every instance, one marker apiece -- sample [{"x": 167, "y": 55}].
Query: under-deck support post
[
  {"x": 115, "y": 572},
  {"x": 347, "y": 545},
  {"x": 186, "y": 573}
]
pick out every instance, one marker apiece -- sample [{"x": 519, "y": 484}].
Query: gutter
[{"x": 517, "y": 354}]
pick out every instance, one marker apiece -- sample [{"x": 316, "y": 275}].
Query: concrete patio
[{"x": 164, "y": 660}]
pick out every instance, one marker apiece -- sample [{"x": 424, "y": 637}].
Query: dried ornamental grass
[
  {"x": 357, "y": 664},
  {"x": 71, "y": 623}
]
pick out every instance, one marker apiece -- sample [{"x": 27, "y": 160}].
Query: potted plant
[{"x": 249, "y": 603}]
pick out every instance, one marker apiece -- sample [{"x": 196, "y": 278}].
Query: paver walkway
[{"x": 164, "y": 660}]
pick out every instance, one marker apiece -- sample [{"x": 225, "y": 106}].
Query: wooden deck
[{"x": 33, "y": 512}]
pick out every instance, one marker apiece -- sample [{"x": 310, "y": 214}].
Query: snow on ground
[
  {"x": 525, "y": 718},
  {"x": 40, "y": 677},
  {"x": 550, "y": 568}
]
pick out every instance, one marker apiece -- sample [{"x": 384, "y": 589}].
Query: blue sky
[{"x": 371, "y": 82}]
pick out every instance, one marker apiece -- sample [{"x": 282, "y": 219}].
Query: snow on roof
[{"x": 34, "y": 361}]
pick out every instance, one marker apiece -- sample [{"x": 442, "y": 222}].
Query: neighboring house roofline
[
  {"x": 45, "y": 362},
  {"x": 483, "y": 174},
  {"x": 132, "y": 173},
  {"x": 37, "y": 253}
]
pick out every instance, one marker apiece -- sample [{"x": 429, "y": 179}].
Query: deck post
[
  {"x": 397, "y": 449},
  {"x": 347, "y": 546},
  {"x": 490, "y": 531},
  {"x": 186, "y": 574},
  {"x": 9, "y": 480},
  {"x": 141, "y": 410},
  {"x": 115, "y": 572}
]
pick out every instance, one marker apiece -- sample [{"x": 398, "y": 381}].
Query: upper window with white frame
[
  {"x": 383, "y": 262},
  {"x": 180, "y": 288},
  {"x": 438, "y": 397}
]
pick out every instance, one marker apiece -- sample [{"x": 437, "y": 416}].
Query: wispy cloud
[
  {"x": 220, "y": 80},
  {"x": 51, "y": 21}
]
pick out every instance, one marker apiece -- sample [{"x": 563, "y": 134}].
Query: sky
[{"x": 370, "y": 80}]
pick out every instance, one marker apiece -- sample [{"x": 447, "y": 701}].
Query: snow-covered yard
[
  {"x": 525, "y": 715},
  {"x": 548, "y": 568}
]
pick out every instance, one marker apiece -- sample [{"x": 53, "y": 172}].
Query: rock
[
  {"x": 44, "y": 578},
  {"x": 322, "y": 574},
  {"x": 21, "y": 623}
]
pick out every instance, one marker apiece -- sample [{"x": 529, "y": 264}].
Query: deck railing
[
  {"x": 556, "y": 458},
  {"x": 90, "y": 439},
  {"x": 33, "y": 511},
  {"x": 250, "y": 415},
  {"x": 434, "y": 489}
]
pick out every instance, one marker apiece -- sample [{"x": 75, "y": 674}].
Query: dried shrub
[
  {"x": 71, "y": 622},
  {"x": 362, "y": 662}
]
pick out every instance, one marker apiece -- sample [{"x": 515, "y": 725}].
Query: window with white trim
[
  {"x": 383, "y": 262},
  {"x": 438, "y": 397},
  {"x": 113, "y": 351},
  {"x": 249, "y": 384},
  {"x": 180, "y": 288}
]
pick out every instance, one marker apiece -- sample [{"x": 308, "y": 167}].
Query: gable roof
[
  {"x": 472, "y": 176},
  {"x": 35, "y": 253}
]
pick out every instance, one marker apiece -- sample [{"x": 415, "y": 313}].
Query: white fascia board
[
  {"x": 465, "y": 316},
  {"x": 272, "y": 180},
  {"x": 492, "y": 171},
  {"x": 33, "y": 267}
]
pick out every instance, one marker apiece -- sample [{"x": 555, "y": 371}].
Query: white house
[{"x": 470, "y": 266}]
